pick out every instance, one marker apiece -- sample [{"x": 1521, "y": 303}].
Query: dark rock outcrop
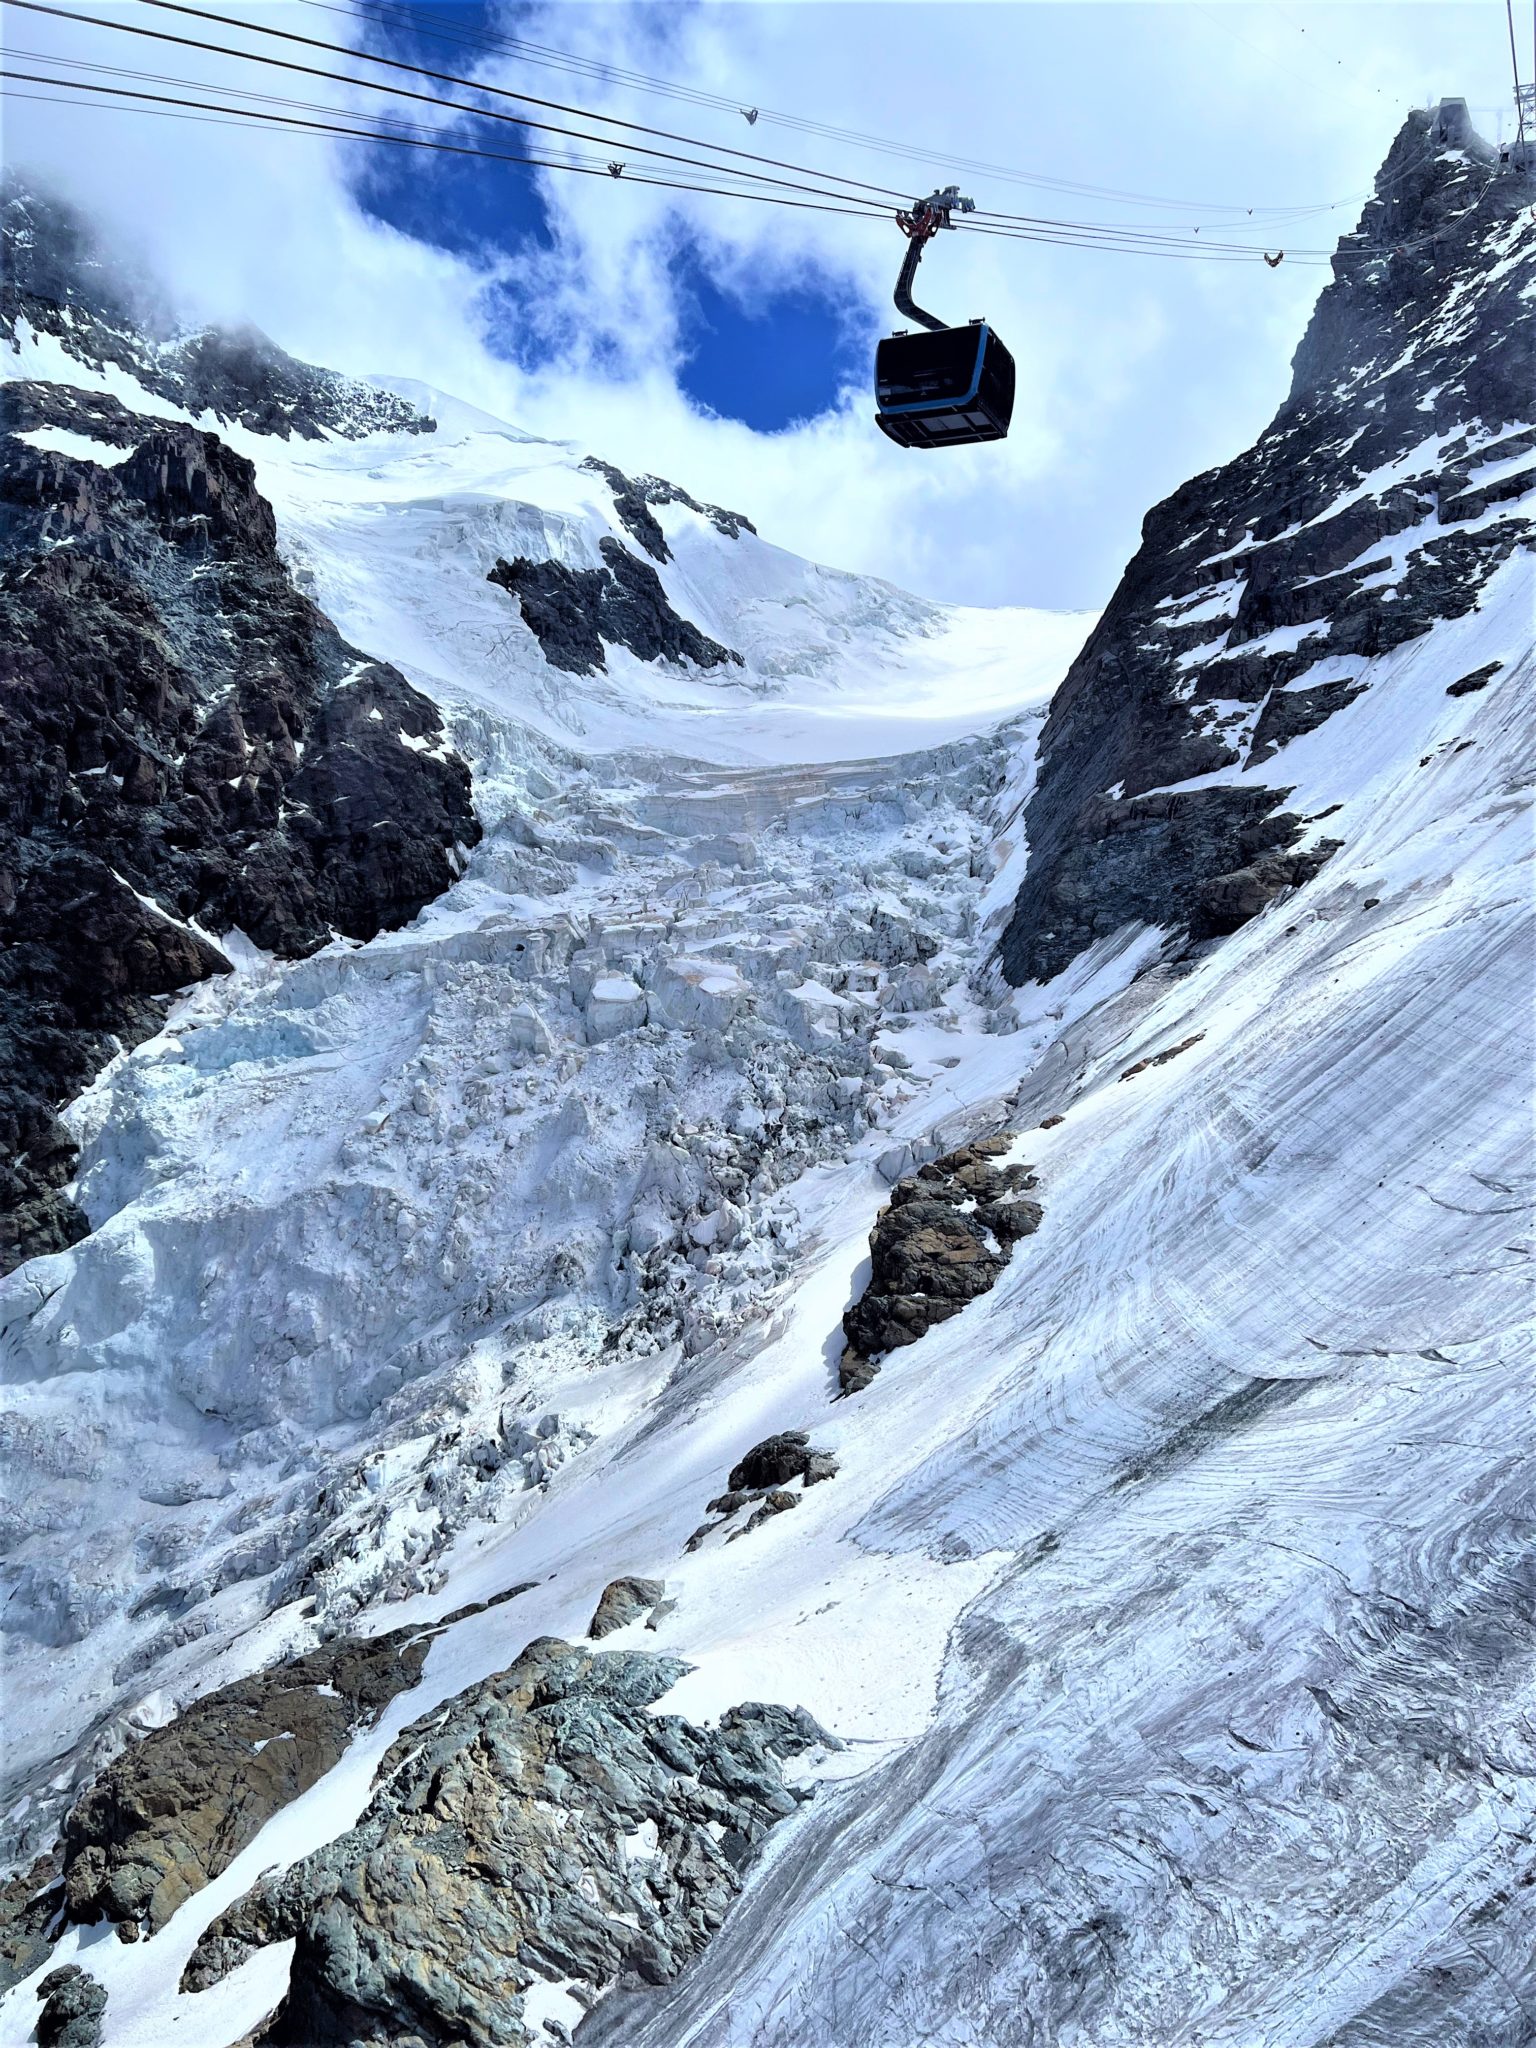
[
  {"x": 1127, "y": 855},
  {"x": 29, "y": 1905},
  {"x": 633, "y": 498},
  {"x": 573, "y": 612},
  {"x": 943, "y": 1239},
  {"x": 189, "y": 746},
  {"x": 624, "y": 1601},
  {"x": 73, "y": 2003},
  {"x": 545, "y": 1825},
  {"x": 61, "y": 278},
  {"x": 760, "y": 1480},
  {"x": 96, "y": 414},
  {"x": 779, "y": 1459},
  {"x": 178, "y": 1807},
  {"x": 1253, "y": 573},
  {"x": 1226, "y": 902},
  {"x": 1479, "y": 679}
]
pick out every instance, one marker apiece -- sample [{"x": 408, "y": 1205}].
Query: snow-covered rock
[{"x": 700, "y": 993}]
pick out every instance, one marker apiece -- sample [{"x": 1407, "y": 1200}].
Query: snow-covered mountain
[{"x": 524, "y": 1134}]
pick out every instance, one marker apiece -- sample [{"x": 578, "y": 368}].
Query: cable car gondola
[{"x": 950, "y": 386}]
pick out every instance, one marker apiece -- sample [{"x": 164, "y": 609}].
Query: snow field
[{"x": 1169, "y": 1599}]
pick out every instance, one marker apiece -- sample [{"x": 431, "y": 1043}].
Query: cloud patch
[{"x": 574, "y": 305}]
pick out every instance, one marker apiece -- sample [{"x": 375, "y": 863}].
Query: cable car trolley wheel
[{"x": 945, "y": 387}]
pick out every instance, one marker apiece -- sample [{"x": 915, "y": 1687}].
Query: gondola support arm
[{"x": 920, "y": 224}]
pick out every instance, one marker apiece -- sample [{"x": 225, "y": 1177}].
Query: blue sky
[
  {"x": 766, "y": 359},
  {"x": 728, "y": 345}
]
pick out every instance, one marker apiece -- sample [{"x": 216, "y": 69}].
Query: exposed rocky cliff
[
  {"x": 177, "y": 1807},
  {"x": 61, "y": 279},
  {"x": 543, "y": 1828},
  {"x": 190, "y": 748},
  {"x": 1370, "y": 508},
  {"x": 182, "y": 1800},
  {"x": 576, "y": 612}
]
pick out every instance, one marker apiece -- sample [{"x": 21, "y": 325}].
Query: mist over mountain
[{"x": 738, "y": 1309}]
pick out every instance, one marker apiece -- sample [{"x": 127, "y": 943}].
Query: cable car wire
[
  {"x": 598, "y": 70},
  {"x": 887, "y": 195},
  {"x": 418, "y": 136},
  {"x": 1514, "y": 65},
  {"x": 884, "y": 192},
  {"x": 342, "y": 127},
  {"x": 603, "y": 72},
  {"x": 262, "y": 99},
  {"x": 1036, "y": 227},
  {"x": 264, "y": 118},
  {"x": 889, "y": 192},
  {"x": 1041, "y": 227}
]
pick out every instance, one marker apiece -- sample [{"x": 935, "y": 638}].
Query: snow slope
[
  {"x": 836, "y": 666},
  {"x": 394, "y": 536},
  {"x": 1174, "y": 1601},
  {"x": 342, "y": 1204}
]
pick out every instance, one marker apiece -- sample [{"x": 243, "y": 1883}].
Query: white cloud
[{"x": 1134, "y": 373}]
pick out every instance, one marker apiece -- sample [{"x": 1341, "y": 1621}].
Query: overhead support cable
[
  {"x": 344, "y": 126},
  {"x": 1514, "y": 65},
  {"x": 1044, "y": 227},
  {"x": 888, "y": 196},
  {"x": 263, "y": 118},
  {"x": 602, "y": 72},
  {"x": 884, "y": 192}
]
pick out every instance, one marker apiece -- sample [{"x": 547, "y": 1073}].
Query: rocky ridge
[
  {"x": 573, "y": 612},
  {"x": 1373, "y": 506},
  {"x": 633, "y": 498},
  {"x": 61, "y": 279},
  {"x": 543, "y": 1828},
  {"x": 191, "y": 749}
]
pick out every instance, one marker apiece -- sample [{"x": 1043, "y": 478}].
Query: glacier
[{"x": 1173, "y": 1605}]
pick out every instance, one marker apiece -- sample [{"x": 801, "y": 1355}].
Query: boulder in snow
[
  {"x": 73, "y": 2005},
  {"x": 624, "y": 1601}
]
